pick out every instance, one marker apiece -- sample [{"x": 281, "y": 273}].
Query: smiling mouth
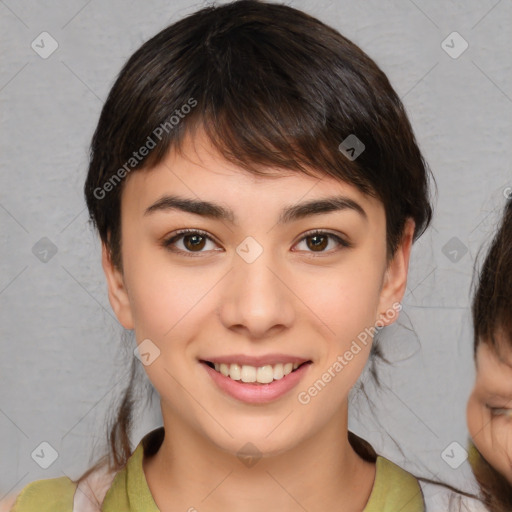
[{"x": 252, "y": 374}]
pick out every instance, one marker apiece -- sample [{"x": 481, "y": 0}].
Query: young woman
[
  {"x": 257, "y": 186},
  {"x": 489, "y": 410}
]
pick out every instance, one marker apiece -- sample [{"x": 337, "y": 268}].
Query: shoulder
[
  {"x": 389, "y": 472},
  {"x": 394, "y": 489},
  {"x": 441, "y": 499},
  {"x": 48, "y": 495},
  {"x": 62, "y": 494}
]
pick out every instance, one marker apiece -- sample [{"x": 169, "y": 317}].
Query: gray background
[{"x": 62, "y": 362}]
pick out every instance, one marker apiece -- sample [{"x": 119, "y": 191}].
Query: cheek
[
  {"x": 474, "y": 417},
  {"x": 345, "y": 305},
  {"x": 345, "y": 310},
  {"x": 492, "y": 436},
  {"x": 498, "y": 449},
  {"x": 339, "y": 302},
  {"x": 163, "y": 297},
  {"x": 346, "y": 300}
]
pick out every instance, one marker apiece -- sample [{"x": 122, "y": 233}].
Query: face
[
  {"x": 254, "y": 293},
  {"x": 489, "y": 410}
]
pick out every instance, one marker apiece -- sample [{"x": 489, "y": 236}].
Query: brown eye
[
  {"x": 317, "y": 241},
  {"x": 193, "y": 242}
]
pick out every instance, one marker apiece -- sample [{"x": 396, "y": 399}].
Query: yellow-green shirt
[{"x": 394, "y": 489}]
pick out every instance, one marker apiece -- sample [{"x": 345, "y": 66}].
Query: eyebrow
[
  {"x": 500, "y": 395},
  {"x": 288, "y": 214},
  {"x": 507, "y": 398}
]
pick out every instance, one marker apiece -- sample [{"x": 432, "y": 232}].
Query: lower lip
[{"x": 255, "y": 393}]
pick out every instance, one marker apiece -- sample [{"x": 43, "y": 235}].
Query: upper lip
[{"x": 257, "y": 361}]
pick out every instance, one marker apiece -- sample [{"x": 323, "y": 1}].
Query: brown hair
[
  {"x": 492, "y": 314},
  {"x": 492, "y": 302},
  {"x": 272, "y": 87},
  {"x": 495, "y": 488}
]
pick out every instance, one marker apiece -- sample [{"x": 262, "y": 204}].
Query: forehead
[
  {"x": 494, "y": 371},
  {"x": 199, "y": 171},
  {"x": 499, "y": 355}
]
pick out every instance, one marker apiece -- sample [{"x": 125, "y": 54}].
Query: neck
[{"x": 321, "y": 472}]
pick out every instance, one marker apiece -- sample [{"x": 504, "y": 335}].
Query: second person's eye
[{"x": 500, "y": 411}]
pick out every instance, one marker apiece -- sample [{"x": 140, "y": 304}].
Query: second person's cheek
[{"x": 508, "y": 442}]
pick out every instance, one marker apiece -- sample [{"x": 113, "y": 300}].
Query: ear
[
  {"x": 117, "y": 293},
  {"x": 395, "y": 278}
]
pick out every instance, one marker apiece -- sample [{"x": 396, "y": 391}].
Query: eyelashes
[
  {"x": 169, "y": 243},
  {"x": 500, "y": 411},
  {"x": 328, "y": 235},
  {"x": 199, "y": 235}
]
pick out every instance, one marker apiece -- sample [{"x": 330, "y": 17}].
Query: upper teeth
[{"x": 261, "y": 374}]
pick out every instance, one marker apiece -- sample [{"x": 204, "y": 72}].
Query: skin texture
[
  {"x": 292, "y": 299},
  {"x": 491, "y": 430}
]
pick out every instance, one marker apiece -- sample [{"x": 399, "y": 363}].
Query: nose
[{"x": 257, "y": 301}]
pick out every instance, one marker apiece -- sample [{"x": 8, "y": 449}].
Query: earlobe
[
  {"x": 395, "y": 279},
  {"x": 117, "y": 293}
]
